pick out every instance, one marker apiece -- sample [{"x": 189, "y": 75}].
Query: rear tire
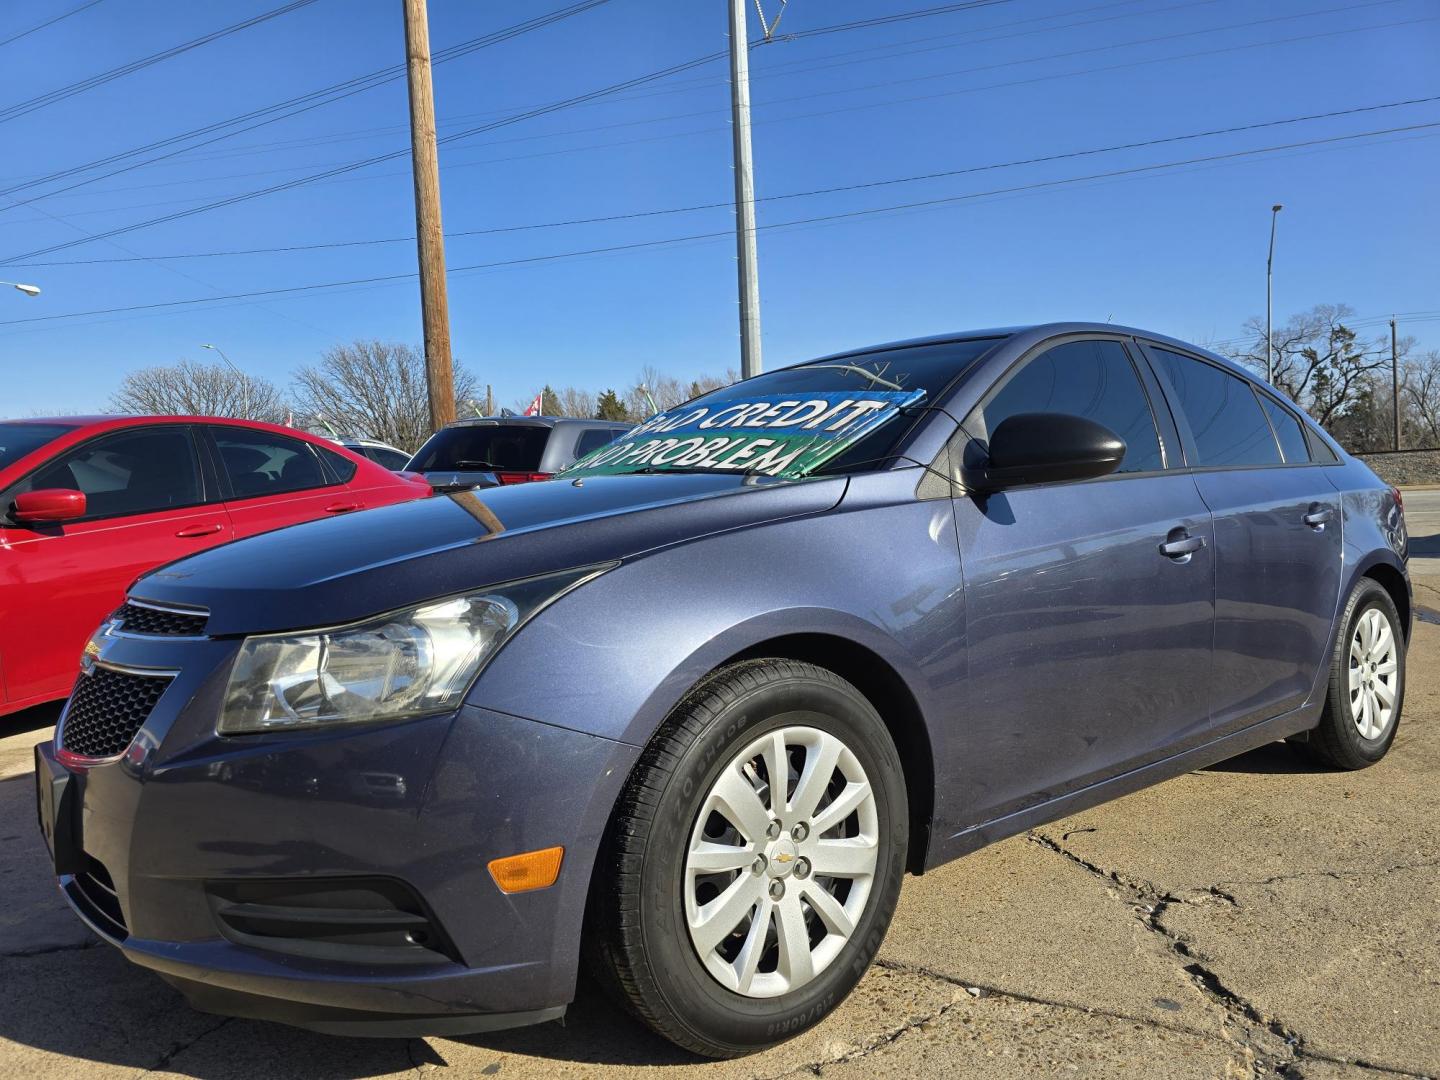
[
  {"x": 1367, "y": 682},
  {"x": 712, "y": 917}
]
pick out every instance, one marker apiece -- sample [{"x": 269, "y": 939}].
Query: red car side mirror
[{"x": 49, "y": 504}]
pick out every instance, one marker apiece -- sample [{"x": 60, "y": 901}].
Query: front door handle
[
  {"x": 1317, "y": 519},
  {"x": 344, "y": 508},
  {"x": 1180, "y": 545},
  {"x": 199, "y": 530}
]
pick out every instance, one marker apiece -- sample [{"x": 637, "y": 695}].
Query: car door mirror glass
[
  {"x": 48, "y": 505},
  {"x": 1044, "y": 448}
]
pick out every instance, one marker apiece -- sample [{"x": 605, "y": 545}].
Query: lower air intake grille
[
  {"x": 155, "y": 622},
  {"x": 106, "y": 710}
]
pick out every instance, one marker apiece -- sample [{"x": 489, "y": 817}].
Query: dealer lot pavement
[{"x": 1262, "y": 917}]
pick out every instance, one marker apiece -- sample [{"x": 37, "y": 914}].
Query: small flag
[{"x": 534, "y": 409}]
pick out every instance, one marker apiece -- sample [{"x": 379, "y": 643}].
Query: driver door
[{"x": 1090, "y": 650}]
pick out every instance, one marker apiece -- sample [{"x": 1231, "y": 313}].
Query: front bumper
[{"x": 338, "y": 880}]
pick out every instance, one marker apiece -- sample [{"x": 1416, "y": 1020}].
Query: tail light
[{"x": 521, "y": 477}]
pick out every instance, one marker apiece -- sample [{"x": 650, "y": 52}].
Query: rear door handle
[
  {"x": 1317, "y": 519},
  {"x": 199, "y": 530},
  {"x": 344, "y": 508},
  {"x": 1182, "y": 547}
]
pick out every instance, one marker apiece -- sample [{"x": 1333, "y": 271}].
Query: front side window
[
  {"x": 1093, "y": 379},
  {"x": 261, "y": 463},
  {"x": 1226, "y": 422},
  {"x": 129, "y": 472}
]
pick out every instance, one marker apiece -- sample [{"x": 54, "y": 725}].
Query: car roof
[{"x": 535, "y": 421}]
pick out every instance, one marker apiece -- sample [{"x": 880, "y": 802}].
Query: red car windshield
[{"x": 17, "y": 440}]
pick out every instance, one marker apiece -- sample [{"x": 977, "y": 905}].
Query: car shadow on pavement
[
  {"x": 1276, "y": 759},
  {"x": 32, "y": 719}
]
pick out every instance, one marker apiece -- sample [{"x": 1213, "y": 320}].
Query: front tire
[
  {"x": 1367, "y": 682},
  {"x": 730, "y": 914}
]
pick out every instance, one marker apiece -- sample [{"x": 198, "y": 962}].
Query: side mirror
[
  {"x": 1042, "y": 448},
  {"x": 48, "y": 505}
]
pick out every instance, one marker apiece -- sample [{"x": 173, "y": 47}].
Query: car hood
[{"x": 341, "y": 569}]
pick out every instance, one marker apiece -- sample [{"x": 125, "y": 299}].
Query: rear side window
[
  {"x": 340, "y": 466},
  {"x": 261, "y": 463},
  {"x": 130, "y": 472},
  {"x": 1287, "y": 430},
  {"x": 594, "y": 438},
  {"x": 1226, "y": 421},
  {"x": 482, "y": 447},
  {"x": 1093, "y": 379}
]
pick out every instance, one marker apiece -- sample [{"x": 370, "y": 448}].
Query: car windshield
[
  {"x": 17, "y": 440},
  {"x": 828, "y": 416},
  {"x": 483, "y": 447}
]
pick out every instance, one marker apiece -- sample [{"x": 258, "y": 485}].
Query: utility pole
[
  {"x": 1269, "y": 333},
  {"x": 1395, "y": 380},
  {"x": 744, "y": 192},
  {"x": 434, "y": 305}
]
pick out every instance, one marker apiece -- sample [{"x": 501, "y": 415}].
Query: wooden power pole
[{"x": 434, "y": 305}]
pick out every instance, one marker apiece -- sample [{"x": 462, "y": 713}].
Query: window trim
[
  {"x": 1037, "y": 350},
  {"x": 227, "y": 490},
  {"x": 1304, "y": 436},
  {"x": 7, "y": 497}
]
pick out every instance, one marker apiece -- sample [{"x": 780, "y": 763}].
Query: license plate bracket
[{"x": 57, "y": 798}]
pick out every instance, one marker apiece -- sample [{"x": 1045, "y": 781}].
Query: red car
[{"x": 88, "y": 503}]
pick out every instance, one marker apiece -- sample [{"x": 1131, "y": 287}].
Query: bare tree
[
  {"x": 1323, "y": 365},
  {"x": 575, "y": 402},
  {"x": 192, "y": 389},
  {"x": 375, "y": 389},
  {"x": 1421, "y": 392},
  {"x": 706, "y": 383}
]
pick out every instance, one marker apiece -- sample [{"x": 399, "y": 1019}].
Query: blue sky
[{"x": 1180, "y": 250}]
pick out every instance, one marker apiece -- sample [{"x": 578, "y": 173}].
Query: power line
[
  {"x": 1140, "y": 170},
  {"x": 1203, "y": 53},
  {"x": 23, "y": 108},
  {"x": 302, "y": 103},
  {"x": 348, "y": 88},
  {"x": 48, "y": 22},
  {"x": 836, "y": 189}
]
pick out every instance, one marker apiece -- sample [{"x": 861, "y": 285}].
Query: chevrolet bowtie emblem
[{"x": 784, "y": 856}]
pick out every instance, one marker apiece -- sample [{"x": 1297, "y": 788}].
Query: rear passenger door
[
  {"x": 272, "y": 480},
  {"x": 1277, "y": 537},
  {"x": 1088, "y": 644}
]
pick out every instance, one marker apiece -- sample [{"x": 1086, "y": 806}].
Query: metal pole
[
  {"x": 744, "y": 192},
  {"x": 244, "y": 379},
  {"x": 1395, "y": 380},
  {"x": 1269, "y": 304},
  {"x": 434, "y": 304}
]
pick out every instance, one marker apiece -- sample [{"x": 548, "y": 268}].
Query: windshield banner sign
[{"x": 771, "y": 436}]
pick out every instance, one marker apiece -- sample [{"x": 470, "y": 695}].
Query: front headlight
[{"x": 409, "y": 663}]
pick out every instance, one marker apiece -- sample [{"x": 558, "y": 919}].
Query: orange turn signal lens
[{"x": 527, "y": 872}]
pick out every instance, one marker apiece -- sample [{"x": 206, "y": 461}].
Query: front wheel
[
  {"x": 1367, "y": 682},
  {"x": 753, "y": 862}
]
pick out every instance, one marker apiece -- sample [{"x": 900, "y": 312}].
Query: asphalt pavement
[{"x": 1263, "y": 917}]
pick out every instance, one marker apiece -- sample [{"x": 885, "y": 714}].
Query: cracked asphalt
[{"x": 1259, "y": 918}]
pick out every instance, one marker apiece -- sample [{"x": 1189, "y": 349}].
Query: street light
[
  {"x": 1269, "y": 333},
  {"x": 28, "y": 290},
  {"x": 244, "y": 379}
]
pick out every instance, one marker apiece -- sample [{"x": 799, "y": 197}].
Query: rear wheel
[
  {"x": 754, "y": 859},
  {"x": 1367, "y": 682}
]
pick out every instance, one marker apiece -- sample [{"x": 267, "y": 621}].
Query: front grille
[
  {"x": 106, "y": 710},
  {"x": 157, "y": 622}
]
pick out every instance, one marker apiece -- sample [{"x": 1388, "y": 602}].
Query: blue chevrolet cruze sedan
[{"x": 689, "y": 712}]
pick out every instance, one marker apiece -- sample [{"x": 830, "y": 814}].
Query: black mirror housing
[{"x": 1045, "y": 448}]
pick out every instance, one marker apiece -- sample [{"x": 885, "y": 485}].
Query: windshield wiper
[
  {"x": 466, "y": 463},
  {"x": 855, "y": 369}
]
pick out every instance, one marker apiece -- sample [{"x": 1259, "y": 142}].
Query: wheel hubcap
[
  {"x": 1374, "y": 670},
  {"x": 781, "y": 861}
]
